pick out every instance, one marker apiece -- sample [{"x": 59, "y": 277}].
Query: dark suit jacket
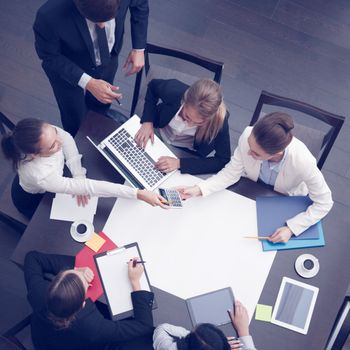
[
  {"x": 89, "y": 330},
  {"x": 63, "y": 42},
  {"x": 170, "y": 92}
]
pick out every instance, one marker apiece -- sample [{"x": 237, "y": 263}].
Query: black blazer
[
  {"x": 89, "y": 330},
  {"x": 63, "y": 42},
  {"x": 170, "y": 92}
]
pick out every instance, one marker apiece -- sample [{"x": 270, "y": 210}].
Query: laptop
[{"x": 134, "y": 164}]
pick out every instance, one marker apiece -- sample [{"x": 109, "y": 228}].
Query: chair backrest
[
  {"x": 9, "y": 340},
  {"x": 317, "y": 128},
  {"x": 8, "y": 213},
  {"x": 159, "y": 71}
]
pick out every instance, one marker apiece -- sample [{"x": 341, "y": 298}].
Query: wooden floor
[{"x": 296, "y": 48}]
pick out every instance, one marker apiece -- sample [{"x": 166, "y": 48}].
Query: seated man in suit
[
  {"x": 79, "y": 42},
  {"x": 63, "y": 319},
  {"x": 194, "y": 118},
  {"x": 269, "y": 152}
]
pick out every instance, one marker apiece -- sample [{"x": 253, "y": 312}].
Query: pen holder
[{"x": 81, "y": 230}]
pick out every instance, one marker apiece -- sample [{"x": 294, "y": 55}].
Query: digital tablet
[
  {"x": 294, "y": 305},
  {"x": 211, "y": 307}
]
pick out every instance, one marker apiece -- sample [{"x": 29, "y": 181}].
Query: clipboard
[{"x": 113, "y": 271}]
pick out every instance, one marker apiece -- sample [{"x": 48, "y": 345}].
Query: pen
[
  {"x": 234, "y": 338},
  {"x": 137, "y": 262},
  {"x": 257, "y": 237},
  {"x": 119, "y": 103},
  {"x": 230, "y": 316}
]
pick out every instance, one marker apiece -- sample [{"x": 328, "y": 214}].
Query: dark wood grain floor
[{"x": 296, "y": 48}]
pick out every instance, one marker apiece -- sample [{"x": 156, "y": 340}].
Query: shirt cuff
[
  {"x": 84, "y": 79},
  {"x": 141, "y": 50},
  {"x": 247, "y": 342}
]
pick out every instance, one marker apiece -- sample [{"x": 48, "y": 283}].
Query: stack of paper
[{"x": 65, "y": 207}]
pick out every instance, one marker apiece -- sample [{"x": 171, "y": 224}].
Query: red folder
[{"x": 85, "y": 258}]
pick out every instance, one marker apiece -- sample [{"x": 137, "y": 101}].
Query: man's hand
[
  {"x": 103, "y": 91},
  {"x": 135, "y": 59},
  {"x": 145, "y": 133},
  {"x": 189, "y": 191},
  {"x": 167, "y": 164},
  {"x": 281, "y": 235},
  {"x": 135, "y": 273}
]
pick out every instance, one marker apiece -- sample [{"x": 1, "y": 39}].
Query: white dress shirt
[
  {"x": 45, "y": 174},
  {"x": 298, "y": 176},
  {"x": 178, "y": 132},
  {"x": 110, "y": 30}
]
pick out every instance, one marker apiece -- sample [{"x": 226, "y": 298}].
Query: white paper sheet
[
  {"x": 199, "y": 248},
  {"x": 114, "y": 274},
  {"x": 64, "y": 207}
]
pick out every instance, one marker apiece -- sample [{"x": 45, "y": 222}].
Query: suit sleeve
[
  {"x": 47, "y": 46},
  {"x": 169, "y": 91},
  {"x": 36, "y": 265},
  {"x": 142, "y": 323},
  {"x": 139, "y": 22},
  {"x": 210, "y": 164},
  {"x": 321, "y": 196}
]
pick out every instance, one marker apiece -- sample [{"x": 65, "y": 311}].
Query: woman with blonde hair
[{"x": 193, "y": 118}]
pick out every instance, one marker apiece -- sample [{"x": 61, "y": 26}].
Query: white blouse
[
  {"x": 45, "y": 174},
  {"x": 178, "y": 132}
]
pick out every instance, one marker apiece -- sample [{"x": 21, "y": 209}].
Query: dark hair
[
  {"x": 98, "y": 11},
  {"x": 65, "y": 298},
  {"x": 273, "y": 132},
  {"x": 23, "y": 140},
  {"x": 205, "y": 336}
]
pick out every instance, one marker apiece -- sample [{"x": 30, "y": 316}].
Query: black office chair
[
  {"x": 318, "y": 132},
  {"x": 8, "y": 212},
  {"x": 159, "y": 71},
  {"x": 9, "y": 340},
  {"x": 339, "y": 337}
]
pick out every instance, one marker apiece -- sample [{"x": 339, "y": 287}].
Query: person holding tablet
[
  {"x": 39, "y": 152},
  {"x": 205, "y": 336},
  {"x": 193, "y": 118},
  {"x": 63, "y": 319},
  {"x": 268, "y": 152}
]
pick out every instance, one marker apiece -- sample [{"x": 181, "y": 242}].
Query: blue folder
[{"x": 273, "y": 212}]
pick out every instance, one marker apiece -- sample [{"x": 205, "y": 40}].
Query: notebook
[{"x": 133, "y": 163}]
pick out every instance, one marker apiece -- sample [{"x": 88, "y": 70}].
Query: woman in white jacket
[
  {"x": 268, "y": 152},
  {"x": 39, "y": 152}
]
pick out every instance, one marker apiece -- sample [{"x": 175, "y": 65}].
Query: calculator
[{"x": 172, "y": 196}]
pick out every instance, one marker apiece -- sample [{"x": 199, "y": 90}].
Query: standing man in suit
[{"x": 79, "y": 42}]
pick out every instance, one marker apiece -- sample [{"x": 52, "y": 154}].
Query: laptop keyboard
[{"x": 138, "y": 159}]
